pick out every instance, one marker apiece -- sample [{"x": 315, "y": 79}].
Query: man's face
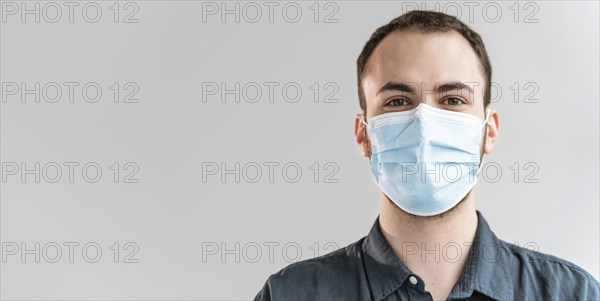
[
  {"x": 439, "y": 69},
  {"x": 409, "y": 67}
]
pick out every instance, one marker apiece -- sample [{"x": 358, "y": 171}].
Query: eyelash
[
  {"x": 389, "y": 103},
  {"x": 460, "y": 100}
]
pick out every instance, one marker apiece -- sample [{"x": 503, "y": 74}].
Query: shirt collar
[{"x": 485, "y": 271}]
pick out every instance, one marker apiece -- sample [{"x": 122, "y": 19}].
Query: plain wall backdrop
[{"x": 194, "y": 188}]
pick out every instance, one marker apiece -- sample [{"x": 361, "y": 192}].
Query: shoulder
[
  {"x": 323, "y": 274},
  {"x": 547, "y": 276}
]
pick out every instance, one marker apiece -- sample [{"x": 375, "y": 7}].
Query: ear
[
  {"x": 360, "y": 132},
  {"x": 492, "y": 132}
]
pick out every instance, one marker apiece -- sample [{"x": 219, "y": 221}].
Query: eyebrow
[{"x": 408, "y": 88}]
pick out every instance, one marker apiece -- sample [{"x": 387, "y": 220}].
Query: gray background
[{"x": 175, "y": 217}]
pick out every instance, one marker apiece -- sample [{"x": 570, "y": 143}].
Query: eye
[
  {"x": 397, "y": 102},
  {"x": 453, "y": 101}
]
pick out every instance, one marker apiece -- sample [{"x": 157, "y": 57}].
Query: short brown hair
[{"x": 426, "y": 22}]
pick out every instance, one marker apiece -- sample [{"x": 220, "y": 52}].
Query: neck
[{"x": 434, "y": 247}]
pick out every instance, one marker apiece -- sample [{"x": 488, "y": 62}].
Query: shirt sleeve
[
  {"x": 592, "y": 289},
  {"x": 265, "y": 293}
]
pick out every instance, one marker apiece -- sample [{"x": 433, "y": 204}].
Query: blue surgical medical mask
[{"x": 425, "y": 160}]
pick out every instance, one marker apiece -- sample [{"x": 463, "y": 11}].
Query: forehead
[{"x": 412, "y": 56}]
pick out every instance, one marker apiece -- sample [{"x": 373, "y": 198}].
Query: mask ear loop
[
  {"x": 363, "y": 120},
  {"x": 487, "y": 118}
]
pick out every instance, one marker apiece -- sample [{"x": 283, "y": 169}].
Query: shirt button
[{"x": 412, "y": 279}]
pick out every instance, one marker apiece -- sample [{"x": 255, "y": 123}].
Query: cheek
[{"x": 367, "y": 144}]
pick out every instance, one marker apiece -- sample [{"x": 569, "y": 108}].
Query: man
[{"x": 424, "y": 90}]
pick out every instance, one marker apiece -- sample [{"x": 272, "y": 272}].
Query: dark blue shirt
[{"x": 370, "y": 270}]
